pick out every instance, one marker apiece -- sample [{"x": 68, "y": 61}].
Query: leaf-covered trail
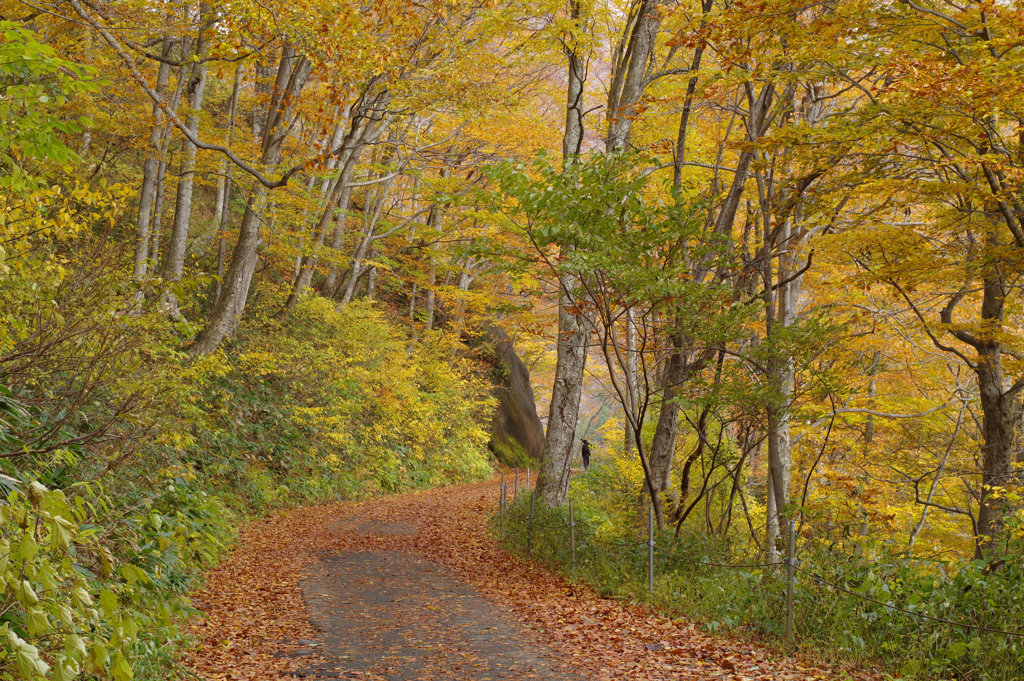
[{"x": 411, "y": 587}]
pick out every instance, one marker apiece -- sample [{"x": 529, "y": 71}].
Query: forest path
[{"x": 410, "y": 586}]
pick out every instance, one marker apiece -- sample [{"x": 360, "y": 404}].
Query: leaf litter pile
[{"x": 258, "y": 625}]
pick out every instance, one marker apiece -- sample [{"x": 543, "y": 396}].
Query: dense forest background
[{"x": 765, "y": 255}]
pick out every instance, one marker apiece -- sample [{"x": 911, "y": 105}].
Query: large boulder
[{"x": 517, "y": 435}]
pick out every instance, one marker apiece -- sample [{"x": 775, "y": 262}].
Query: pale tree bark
[
  {"x": 666, "y": 433},
  {"x": 371, "y": 216},
  {"x": 161, "y": 176},
  {"x": 370, "y": 118},
  {"x": 573, "y": 329},
  {"x": 263, "y": 88},
  {"x": 663, "y": 446},
  {"x": 158, "y": 214},
  {"x": 631, "y": 69},
  {"x": 174, "y": 266},
  {"x": 435, "y": 224},
  {"x": 151, "y": 169},
  {"x": 334, "y": 212},
  {"x": 366, "y": 122},
  {"x": 293, "y": 72},
  {"x": 869, "y": 436},
  {"x": 574, "y": 335},
  {"x": 781, "y": 313},
  {"x": 630, "y": 378},
  {"x": 371, "y": 284},
  {"x": 225, "y": 208}
]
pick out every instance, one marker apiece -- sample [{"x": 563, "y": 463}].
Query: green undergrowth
[
  {"x": 835, "y": 624},
  {"x": 113, "y": 506}
]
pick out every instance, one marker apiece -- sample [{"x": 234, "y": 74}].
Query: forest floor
[{"x": 412, "y": 587}]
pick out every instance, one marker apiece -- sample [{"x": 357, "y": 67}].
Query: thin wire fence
[{"x": 565, "y": 543}]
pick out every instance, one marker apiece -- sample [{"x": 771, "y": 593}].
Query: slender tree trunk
[
  {"x": 782, "y": 378},
  {"x": 292, "y": 75},
  {"x": 869, "y": 426},
  {"x": 1000, "y": 413},
  {"x": 435, "y": 229},
  {"x": 368, "y": 124},
  {"x": 663, "y": 447},
  {"x": 158, "y": 214},
  {"x": 151, "y": 170},
  {"x": 691, "y": 89},
  {"x": 574, "y": 334},
  {"x": 334, "y": 212},
  {"x": 629, "y": 377},
  {"x": 572, "y": 139},
  {"x": 573, "y": 329},
  {"x": 371, "y": 284},
  {"x": 225, "y": 209},
  {"x": 174, "y": 266},
  {"x": 936, "y": 479},
  {"x": 629, "y": 78},
  {"x": 370, "y": 220},
  {"x": 428, "y": 312},
  {"x": 357, "y": 267}
]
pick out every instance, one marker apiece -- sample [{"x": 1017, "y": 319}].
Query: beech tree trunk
[
  {"x": 292, "y": 75},
  {"x": 632, "y": 383},
  {"x": 573, "y": 334},
  {"x": 334, "y": 212},
  {"x": 1000, "y": 411},
  {"x": 663, "y": 447},
  {"x": 781, "y": 313},
  {"x": 151, "y": 170},
  {"x": 573, "y": 330},
  {"x": 225, "y": 208},
  {"x": 632, "y": 62},
  {"x": 174, "y": 266},
  {"x": 158, "y": 214}
]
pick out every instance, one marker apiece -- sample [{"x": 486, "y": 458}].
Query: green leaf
[
  {"x": 121, "y": 670},
  {"x": 28, "y": 548},
  {"x": 134, "y": 575},
  {"x": 80, "y": 597},
  {"x": 74, "y": 646},
  {"x": 26, "y": 594},
  {"x": 61, "y": 532},
  {"x": 37, "y": 622},
  {"x": 131, "y": 629},
  {"x": 98, "y": 655},
  {"x": 108, "y": 601},
  {"x": 29, "y": 664},
  {"x": 64, "y": 671}
]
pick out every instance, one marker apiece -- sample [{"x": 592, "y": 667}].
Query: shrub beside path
[{"x": 412, "y": 587}]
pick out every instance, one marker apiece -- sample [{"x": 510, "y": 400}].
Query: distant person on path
[{"x": 586, "y": 455}]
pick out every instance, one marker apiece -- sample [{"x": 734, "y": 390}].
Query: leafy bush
[{"x": 336, "y": 403}]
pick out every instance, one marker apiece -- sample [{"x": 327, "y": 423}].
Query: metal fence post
[
  {"x": 572, "y": 536},
  {"x": 515, "y": 490},
  {"x": 527, "y": 478},
  {"x": 650, "y": 550},
  {"x": 791, "y": 570},
  {"x": 501, "y": 506},
  {"x": 529, "y": 536}
]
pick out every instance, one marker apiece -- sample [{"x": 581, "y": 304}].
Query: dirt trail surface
[{"x": 412, "y": 587}]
